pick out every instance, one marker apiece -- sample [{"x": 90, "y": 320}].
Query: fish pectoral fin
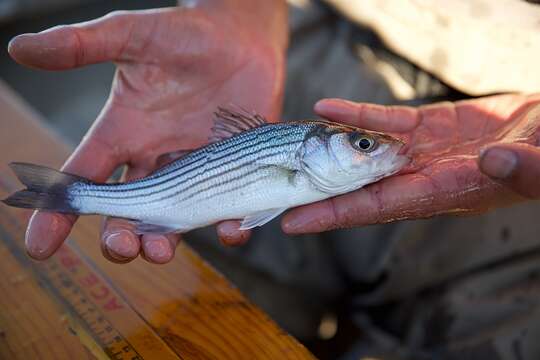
[
  {"x": 260, "y": 218},
  {"x": 145, "y": 228}
]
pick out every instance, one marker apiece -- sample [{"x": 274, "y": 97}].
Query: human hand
[
  {"x": 516, "y": 166},
  {"x": 175, "y": 66},
  {"x": 444, "y": 141}
]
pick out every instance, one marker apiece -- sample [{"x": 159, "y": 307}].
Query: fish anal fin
[
  {"x": 228, "y": 123},
  {"x": 260, "y": 218}
]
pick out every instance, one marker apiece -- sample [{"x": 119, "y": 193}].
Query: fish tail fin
[{"x": 46, "y": 188}]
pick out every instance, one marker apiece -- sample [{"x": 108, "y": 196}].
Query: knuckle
[{"x": 338, "y": 217}]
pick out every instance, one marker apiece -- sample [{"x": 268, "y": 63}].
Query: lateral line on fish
[
  {"x": 219, "y": 186},
  {"x": 242, "y": 155},
  {"x": 238, "y": 186},
  {"x": 146, "y": 183},
  {"x": 85, "y": 191},
  {"x": 226, "y": 191},
  {"x": 193, "y": 186}
]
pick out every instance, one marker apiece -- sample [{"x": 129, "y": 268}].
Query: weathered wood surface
[
  {"x": 78, "y": 305},
  {"x": 476, "y": 46}
]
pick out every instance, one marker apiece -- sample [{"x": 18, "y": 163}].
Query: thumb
[
  {"x": 70, "y": 46},
  {"x": 514, "y": 165}
]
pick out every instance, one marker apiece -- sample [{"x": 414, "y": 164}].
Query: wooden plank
[{"x": 79, "y": 305}]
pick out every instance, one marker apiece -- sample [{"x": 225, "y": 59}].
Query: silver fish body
[{"x": 253, "y": 175}]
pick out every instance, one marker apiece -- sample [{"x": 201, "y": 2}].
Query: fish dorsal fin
[
  {"x": 229, "y": 122},
  {"x": 260, "y": 218}
]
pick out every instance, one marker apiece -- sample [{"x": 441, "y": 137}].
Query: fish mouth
[{"x": 400, "y": 160}]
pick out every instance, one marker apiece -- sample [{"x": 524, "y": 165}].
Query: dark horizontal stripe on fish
[
  {"x": 218, "y": 150},
  {"x": 146, "y": 182},
  {"x": 214, "y": 186},
  {"x": 189, "y": 186},
  {"x": 185, "y": 181},
  {"x": 257, "y": 132},
  {"x": 174, "y": 167},
  {"x": 234, "y": 188},
  {"x": 222, "y": 184},
  {"x": 202, "y": 181}
]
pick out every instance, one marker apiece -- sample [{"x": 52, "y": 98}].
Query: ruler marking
[{"x": 56, "y": 280}]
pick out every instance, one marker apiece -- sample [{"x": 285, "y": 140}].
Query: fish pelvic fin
[
  {"x": 46, "y": 188},
  {"x": 260, "y": 218}
]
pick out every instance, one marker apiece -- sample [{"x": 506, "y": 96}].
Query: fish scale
[{"x": 158, "y": 184}]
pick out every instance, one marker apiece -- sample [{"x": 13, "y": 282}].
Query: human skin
[
  {"x": 174, "y": 67},
  {"x": 458, "y": 165}
]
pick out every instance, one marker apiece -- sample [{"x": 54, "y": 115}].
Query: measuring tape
[{"x": 104, "y": 322}]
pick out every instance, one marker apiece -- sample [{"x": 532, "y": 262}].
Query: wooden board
[{"x": 78, "y": 305}]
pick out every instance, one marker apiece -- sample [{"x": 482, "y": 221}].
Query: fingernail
[
  {"x": 158, "y": 249},
  {"x": 44, "y": 234},
  {"x": 294, "y": 225},
  {"x": 230, "y": 235},
  {"x": 11, "y": 44},
  {"x": 122, "y": 245},
  {"x": 17, "y": 40},
  {"x": 228, "y": 229},
  {"x": 337, "y": 107},
  {"x": 36, "y": 250},
  {"x": 498, "y": 163}
]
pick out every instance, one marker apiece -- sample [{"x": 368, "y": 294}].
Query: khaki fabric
[{"x": 476, "y": 46}]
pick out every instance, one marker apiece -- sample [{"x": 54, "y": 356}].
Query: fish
[{"x": 252, "y": 170}]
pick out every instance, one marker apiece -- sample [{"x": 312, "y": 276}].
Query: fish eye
[{"x": 364, "y": 143}]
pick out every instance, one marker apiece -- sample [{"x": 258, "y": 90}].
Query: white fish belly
[{"x": 267, "y": 188}]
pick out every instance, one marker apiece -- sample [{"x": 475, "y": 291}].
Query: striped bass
[{"x": 253, "y": 171}]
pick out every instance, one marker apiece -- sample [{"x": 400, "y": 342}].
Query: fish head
[{"x": 340, "y": 158}]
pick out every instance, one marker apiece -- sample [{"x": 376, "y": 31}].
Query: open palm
[
  {"x": 443, "y": 141},
  {"x": 175, "y": 66}
]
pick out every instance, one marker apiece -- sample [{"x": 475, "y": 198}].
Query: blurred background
[{"x": 69, "y": 100}]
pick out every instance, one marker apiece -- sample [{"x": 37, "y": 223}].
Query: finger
[
  {"x": 514, "y": 165},
  {"x": 229, "y": 233},
  {"x": 69, "y": 46},
  {"x": 369, "y": 116},
  {"x": 391, "y": 199},
  {"x": 118, "y": 241},
  {"x": 159, "y": 248},
  {"x": 94, "y": 159},
  {"x": 457, "y": 187}
]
